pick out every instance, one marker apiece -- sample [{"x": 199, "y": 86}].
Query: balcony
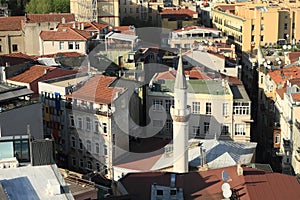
[
  {"x": 286, "y": 145},
  {"x": 297, "y": 124}
]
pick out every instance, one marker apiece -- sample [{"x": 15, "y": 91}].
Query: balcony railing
[{"x": 90, "y": 110}]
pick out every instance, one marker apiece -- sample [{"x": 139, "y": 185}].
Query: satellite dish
[
  {"x": 277, "y": 59},
  {"x": 289, "y": 47},
  {"x": 279, "y": 62},
  {"x": 225, "y": 186},
  {"x": 225, "y": 176},
  {"x": 265, "y": 64},
  {"x": 227, "y": 194},
  {"x": 263, "y": 60},
  {"x": 284, "y": 47},
  {"x": 268, "y": 62},
  {"x": 269, "y": 66}
]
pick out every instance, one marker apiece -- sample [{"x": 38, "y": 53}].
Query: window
[
  {"x": 261, "y": 79},
  {"x": 196, "y": 130},
  {"x": 89, "y": 165},
  {"x": 15, "y": 47},
  {"x": 81, "y": 163},
  {"x": 72, "y": 122},
  {"x": 137, "y": 10},
  {"x": 206, "y": 127},
  {"x": 157, "y": 123},
  {"x": 76, "y": 45},
  {"x": 252, "y": 27},
  {"x": 105, "y": 150},
  {"x": 240, "y": 129},
  {"x": 159, "y": 192},
  {"x": 293, "y": 25},
  {"x": 252, "y": 38},
  {"x": 96, "y": 127},
  {"x": 70, "y": 45},
  {"x": 88, "y": 145},
  {"x": 73, "y": 161},
  {"x": 97, "y": 148},
  {"x": 88, "y": 124},
  {"x": 225, "y": 109},
  {"x": 80, "y": 144},
  {"x": 130, "y": 9},
  {"x": 277, "y": 138},
  {"x": 169, "y": 103},
  {"x": 285, "y": 26},
  {"x": 0, "y": 48},
  {"x": 262, "y": 27},
  {"x": 168, "y": 125},
  {"x": 208, "y": 108},
  {"x": 261, "y": 38},
  {"x": 61, "y": 45},
  {"x": 196, "y": 107},
  {"x": 104, "y": 127},
  {"x": 98, "y": 166},
  {"x": 241, "y": 108},
  {"x": 124, "y": 2},
  {"x": 225, "y": 129},
  {"x": 157, "y": 104},
  {"x": 79, "y": 123},
  {"x": 125, "y": 10},
  {"x": 73, "y": 142}
]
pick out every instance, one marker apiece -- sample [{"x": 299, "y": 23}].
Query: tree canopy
[{"x": 48, "y": 6}]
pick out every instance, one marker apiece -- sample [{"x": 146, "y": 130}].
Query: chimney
[
  {"x": 63, "y": 20},
  {"x": 74, "y": 25},
  {"x": 239, "y": 169},
  {"x": 78, "y": 26},
  {"x": 2, "y": 75},
  {"x": 46, "y": 70},
  {"x": 82, "y": 26}
]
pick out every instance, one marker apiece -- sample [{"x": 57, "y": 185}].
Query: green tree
[{"x": 48, "y": 6}]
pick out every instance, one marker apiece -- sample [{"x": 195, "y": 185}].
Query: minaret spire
[{"x": 180, "y": 115}]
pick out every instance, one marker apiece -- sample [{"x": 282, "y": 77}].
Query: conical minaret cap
[{"x": 180, "y": 82}]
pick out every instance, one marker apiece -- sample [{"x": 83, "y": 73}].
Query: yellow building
[{"x": 250, "y": 25}]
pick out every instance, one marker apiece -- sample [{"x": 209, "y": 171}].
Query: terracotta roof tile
[
  {"x": 65, "y": 34},
  {"x": 125, "y": 29},
  {"x": 11, "y": 23},
  {"x": 232, "y": 79},
  {"x": 171, "y": 12},
  {"x": 88, "y": 26},
  {"x": 253, "y": 184},
  {"x": 60, "y": 54},
  {"x": 296, "y": 96},
  {"x": 52, "y": 17},
  {"x": 15, "y": 58},
  {"x": 295, "y": 81},
  {"x": 194, "y": 73},
  {"x": 38, "y": 72},
  {"x": 282, "y": 75},
  {"x": 293, "y": 56},
  {"x": 97, "y": 90},
  {"x": 281, "y": 92}
]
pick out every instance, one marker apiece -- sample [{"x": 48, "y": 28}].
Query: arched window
[
  {"x": 73, "y": 142},
  {"x": 81, "y": 163},
  {"x": 89, "y": 165},
  {"x": 98, "y": 166},
  {"x": 97, "y": 148},
  {"x": 88, "y": 124}
]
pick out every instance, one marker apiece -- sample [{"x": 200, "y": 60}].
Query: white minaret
[{"x": 180, "y": 115}]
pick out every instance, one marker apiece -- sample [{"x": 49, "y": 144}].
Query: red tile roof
[
  {"x": 125, "y": 29},
  {"x": 65, "y": 34},
  {"x": 52, "y": 17},
  {"x": 88, "y": 26},
  {"x": 60, "y": 54},
  {"x": 206, "y": 185},
  {"x": 172, "y": 12},
  {"x": 295, "y": 81},
  {"x": 296, "y": 96},
  {"x": 37, "y": 72},
  {"x": 282, "y": 75},
  {"x": 281, "y": 92},
  {"x": 226, "y": 7},
  {"x": 232, "y": 79},
  {"x": 293, "y": 56},
  {"x": 15, "y": 59},
  {"x": 11, "y": 23},
  {"x": 194, "y": 73},
  {"x": 97, "y": 90}
]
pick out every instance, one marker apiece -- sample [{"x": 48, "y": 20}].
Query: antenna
[{"x": 284, "y": 47}]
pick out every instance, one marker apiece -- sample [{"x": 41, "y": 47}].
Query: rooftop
[
  {"x": 32, "y": 182},
  {"x": 284, "y": 74},
  {"x": 87, "y": 26},
  {"x": 11, "y": 23},
  {"x": 97, "y": 89},
  {"x": 65, "y": 34},
  {"x": 253, "y": 184},
  {"x": 173, "y": 12},
  {"x": 8, "y": 91},
  {"x": 52, "y": 17}
]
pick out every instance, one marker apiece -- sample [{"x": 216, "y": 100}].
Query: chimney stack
[
  {"x": 3, "y": 75},
  {"x": 239, "y": 169},
  {"x": 82, "y": 26}
]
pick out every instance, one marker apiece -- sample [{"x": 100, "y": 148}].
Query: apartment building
[
  {"x": 219, "y": 109},
  {"x": 251, "y": 25},
  {"x": 20, "y": 34}
]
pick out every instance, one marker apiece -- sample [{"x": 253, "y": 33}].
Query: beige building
[
  {"x": 102, "y": 11},
  {"x": 217, "y": 109},
  {"x": 250, "y": 25},
  {"x": 21, "y": 34}
]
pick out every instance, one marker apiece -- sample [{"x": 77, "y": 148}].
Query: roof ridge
[{"x": 78, "y": 32}]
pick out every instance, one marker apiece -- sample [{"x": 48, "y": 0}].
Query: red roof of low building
[
  {"x": 97, "y": 90},
  {"x": 173, "y": 12},
  {"x": 253, "y": 184},
  {"x": 15, "y": 59},
  {"x": 282, "y": 75},
  {"x": 293, "y": 56},
  {"x": 65, "y": 34},
  {"x": 52, "y": 17},
  {"x": 38, "y": 71},
  {"x": 296, "y": 96},
  {"x": 11, "y": 23}
]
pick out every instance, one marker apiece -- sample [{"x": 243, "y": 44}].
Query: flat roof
[
  {"x": 8, "y": 91},
  {"x": 30, "y": 182},
  {"x": 71, "y": 81},
  {"x": 213, "y": 87},
  {"x": 125, "y": 37}
]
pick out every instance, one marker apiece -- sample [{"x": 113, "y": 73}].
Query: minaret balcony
[{"x": 180, "y": 115}]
